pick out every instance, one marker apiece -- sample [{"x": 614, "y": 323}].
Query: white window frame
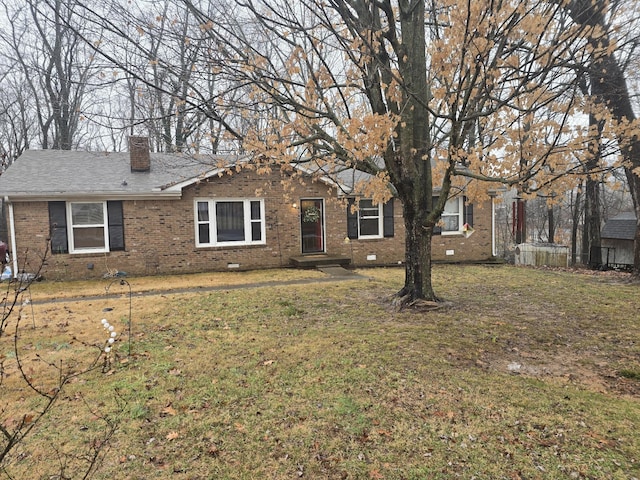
[
  {"x": 71, "y": 227},
  {"x": 380, "y": 218},
  {"x": 211, "y": 205},
  {"x": 459, "y": 214}
]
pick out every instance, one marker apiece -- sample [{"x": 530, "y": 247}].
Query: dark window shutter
[
  {"x": 387, "y": 211},
  {"x": 352, "y": 220},
  {"x": 58, "y": 227},
  {"x": 116, "y": 225},
  {"x": 468, "y": 213},
  {"x": 437, "y": 230}
]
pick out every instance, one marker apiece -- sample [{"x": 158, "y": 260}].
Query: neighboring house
[
  {"x": 144, "y": 213},
  {"x": 617, "y": 239}
]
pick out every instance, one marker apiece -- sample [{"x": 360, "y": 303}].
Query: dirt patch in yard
[
  {"x": 545, "y": 330},
  {"x": 560, "y": 343}
]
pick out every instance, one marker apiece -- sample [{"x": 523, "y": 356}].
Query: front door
[{"x": 312, "y": 225}]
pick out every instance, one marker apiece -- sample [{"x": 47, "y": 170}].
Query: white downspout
[{"x": 12, "y": 234}]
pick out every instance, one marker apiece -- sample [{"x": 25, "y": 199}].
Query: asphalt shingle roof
[
  {"x": 64, "y": 174},
  {"x": 56, "y": 173},
  {"x": 621, "y": 227}
]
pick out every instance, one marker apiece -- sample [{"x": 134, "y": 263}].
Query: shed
[{"x": 617, "y": 239}]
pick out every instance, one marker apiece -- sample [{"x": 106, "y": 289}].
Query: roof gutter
[{"x": 97, "y": 196}]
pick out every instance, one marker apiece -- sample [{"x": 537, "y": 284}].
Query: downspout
[
  {"x": 12, "y": 234},
  {"x": 493, "y": 226}
]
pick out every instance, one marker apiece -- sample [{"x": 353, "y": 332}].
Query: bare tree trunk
[
  {"x": 418, "y": 263},
  {"x": 520, "y": 220},
  {"x": 575, "y": 218},
  {"x": 592, "y": 222}
]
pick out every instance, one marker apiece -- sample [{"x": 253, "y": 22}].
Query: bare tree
[
  {"x": 610, "y": 90},
  {"x": 16, "y": 119},
  {"x": 55, "y": 66},
  {"x": 357, "y": 81},
  {"x": 165, "y": 68}
]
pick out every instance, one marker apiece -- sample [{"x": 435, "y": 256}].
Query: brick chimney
[{"x": 139, "y": 154}]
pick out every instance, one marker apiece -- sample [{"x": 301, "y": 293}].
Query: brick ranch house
[{"x": 150, "y": 213}]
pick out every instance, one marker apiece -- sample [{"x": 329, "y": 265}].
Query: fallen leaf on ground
[{"x": 168, "y": 410}]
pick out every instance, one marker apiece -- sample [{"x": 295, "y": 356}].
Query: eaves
[{"x": 92, "y": 195}]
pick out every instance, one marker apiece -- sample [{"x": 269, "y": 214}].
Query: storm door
[{"x": 312, "y": 225}]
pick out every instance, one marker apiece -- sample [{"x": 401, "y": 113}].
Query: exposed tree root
[{"x": 402, "y": 301}]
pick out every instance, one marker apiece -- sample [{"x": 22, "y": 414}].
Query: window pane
[
  {"x": 255, "y": 210},
  {"x": 91, "y": 237},
  {"x": 87, "y": 213},
  {"x": 452, "y": 206},
  {"x": 230, "y": 221},
  {"x": 369, "y": 227},
  {"x": 203, "y": 233},
  {"x": 366, "y": 204},
  {"x": 450, "y": 223},
  {"x": 369, "y": 218},
  {"x": 256, "y": 231},
  {"x": 203, "y": 212},
  {"x": 369, "y": 212}
]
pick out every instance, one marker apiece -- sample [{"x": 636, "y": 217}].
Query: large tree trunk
[
  {"x": 410, "y": 166},
  {"x": 592, "y": 222},
  {"x": 575, "y": 217},
  {"x": 417, "y": 284}
]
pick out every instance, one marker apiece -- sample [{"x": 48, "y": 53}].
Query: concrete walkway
[{"x": 333, "y": 274}]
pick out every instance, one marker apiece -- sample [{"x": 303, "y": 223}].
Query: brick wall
[{"x": 160, "y": 234}]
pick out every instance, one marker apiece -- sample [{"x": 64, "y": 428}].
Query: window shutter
[
  {"x": 387, "y": 211},
  {"x": 437, "y": 230},
  {"x": 468, "y": 212},
  {"x": 352, "y": 220},
  {"x": 116, "y": 225},
  {"x": 58, "y": 227}
]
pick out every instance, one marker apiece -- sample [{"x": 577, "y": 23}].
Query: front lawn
[{"x": 525, "y": 374}]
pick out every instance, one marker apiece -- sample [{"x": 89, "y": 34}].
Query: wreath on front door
[{"x": 311, "y": 214}]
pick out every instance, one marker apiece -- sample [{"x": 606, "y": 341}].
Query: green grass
[{"x": 326, "y": 381}]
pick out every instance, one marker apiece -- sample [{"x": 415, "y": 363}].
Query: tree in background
[
  {"x": 52, "y": 64},
  {"x": 613, "y": 39},
  {"x": 166, "y": 71}
]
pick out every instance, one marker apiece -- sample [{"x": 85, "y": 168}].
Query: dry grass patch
[
  {"x": 525, "y": 375},
  {"x": 60, "y": 289}
]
